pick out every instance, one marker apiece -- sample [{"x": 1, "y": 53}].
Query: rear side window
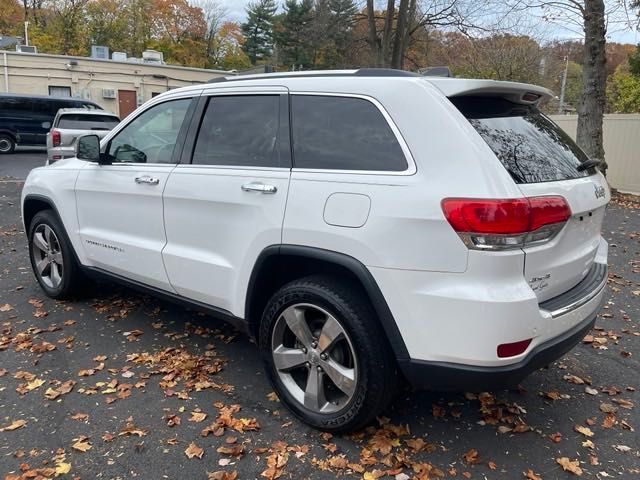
[
  {"x": 240, "y": 130},
  {"x": 531, "y": 147},
  {"x": 79, "y": 121},
  {"x": 343, "y": 133}
]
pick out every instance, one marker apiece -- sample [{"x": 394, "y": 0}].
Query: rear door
[
  {"x": 543, "y": 160},
  {"x": 225, "y": 202}
]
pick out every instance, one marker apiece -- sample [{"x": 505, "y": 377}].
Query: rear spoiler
[{"x": 523, "y": 93}]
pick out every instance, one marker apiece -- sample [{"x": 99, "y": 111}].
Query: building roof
[{"x": 116, "y": 62}]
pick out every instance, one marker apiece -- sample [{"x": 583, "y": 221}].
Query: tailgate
[{"x": 554, "y": 267}]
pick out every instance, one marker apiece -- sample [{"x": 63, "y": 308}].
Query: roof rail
[{"x": 362, "y": 72}]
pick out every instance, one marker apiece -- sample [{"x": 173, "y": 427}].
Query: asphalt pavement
[
  {"x": 19, "y": 164},
  {"x": 118, "y": 385}
]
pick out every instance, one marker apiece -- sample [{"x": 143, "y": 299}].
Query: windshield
[
  {"x": 530, "y": 146},
  {"x": 78, "y": 121}
]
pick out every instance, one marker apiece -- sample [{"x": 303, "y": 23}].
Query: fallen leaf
[
  {"x": 531, "y": 475},
  {"x": 81, "y": 444},
  {"x": 5, "y": 308},
  {"x": 608, "y": 408},
  {"x": 197, "y": 417},
  {"x": 16, "y": 424},
  {"x": 471, "y": 456},
  {"x": 222, "y": 475},
  {"x": 569, "y": 465},
  {"x": 194, "y": 450},
  {"x": 621, "y": 448},
  {"x": 586, "y": 431}
]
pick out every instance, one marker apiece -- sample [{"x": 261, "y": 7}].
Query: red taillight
[
  {"x": 55, "y": 137},
  {"x": 513, "y": 349},
  {"x": 548, "y": 210},
  {"x": 508, "y": 223},
  {"x": 487, "y": 216}
]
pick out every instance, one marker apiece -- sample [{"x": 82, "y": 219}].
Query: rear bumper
[{"x": 449, "y": 376}]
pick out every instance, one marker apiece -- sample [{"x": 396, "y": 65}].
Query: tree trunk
[
  {"x": 374, "y": 42},
  {"x": 594, "y": 78},
  {"x": 401, "y": 28},
  {"x": 388, "y": 30},
  {"x": 413, "y": 8}
]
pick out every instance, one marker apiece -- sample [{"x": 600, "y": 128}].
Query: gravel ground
[{"x": 119, "y": 385}]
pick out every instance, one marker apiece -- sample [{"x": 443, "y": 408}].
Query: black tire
[
  {"x": 376, "y": 378},
  {"x": 72, "y": 279},
  {"x": 7, "y": 143}
]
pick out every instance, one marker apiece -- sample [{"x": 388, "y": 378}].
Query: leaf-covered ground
[{"x": 122, "y": 386}]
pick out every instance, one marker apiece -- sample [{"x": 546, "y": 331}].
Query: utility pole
[
  {"x": 564, "y": 85},
  {"x": 26, "y": 33}
]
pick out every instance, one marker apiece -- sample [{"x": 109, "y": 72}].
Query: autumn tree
[
  {"x": 11, "y": 18},
  {"x": 107, "y": 24},
  {"x": 258, "y": 29}
]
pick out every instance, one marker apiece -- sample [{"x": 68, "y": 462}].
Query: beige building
[{"x": 117, "y": 86}]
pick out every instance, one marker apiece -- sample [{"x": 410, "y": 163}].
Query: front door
[
  {"x": 127, "y": 102},
  {"x": 120, "y": 205},
  {"x": 226, "y": 203}
]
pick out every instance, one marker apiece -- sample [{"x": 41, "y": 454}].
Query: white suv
[{"x": 366, "y": 226}]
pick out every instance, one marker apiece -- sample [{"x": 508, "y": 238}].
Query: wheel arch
[
  {"x": 33, "y": 204},
  {"x": 280, "y": 264}
]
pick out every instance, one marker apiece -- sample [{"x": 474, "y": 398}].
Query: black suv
[{"x": 26, "y": 119}]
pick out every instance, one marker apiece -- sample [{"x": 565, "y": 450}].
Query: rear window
[
  {"x": 78, "y": 121},
  {"x": 530, "y": 146}
]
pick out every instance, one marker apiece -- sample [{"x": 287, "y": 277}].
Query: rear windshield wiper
[{"x": 586, "y": 165}]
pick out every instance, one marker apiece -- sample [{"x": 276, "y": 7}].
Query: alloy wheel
[
  {"x": 47, "y": 256},
  {"x": 314, "y": 358}
]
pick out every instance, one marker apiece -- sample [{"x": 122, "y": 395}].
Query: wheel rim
[
  {"x": 5, "y": 145},
  {"x": 47, "y": 256},
  {"x": 314, "y": 358}
]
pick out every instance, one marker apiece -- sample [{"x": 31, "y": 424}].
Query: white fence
[{"x": 621, "y": 148}]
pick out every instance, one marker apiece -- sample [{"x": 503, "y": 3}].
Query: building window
[{"x": 56, "y": 91}]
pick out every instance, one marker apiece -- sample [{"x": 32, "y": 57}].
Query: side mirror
[
  {"x": 88, "y": 148},
  {"x": 46, "y": 125}
]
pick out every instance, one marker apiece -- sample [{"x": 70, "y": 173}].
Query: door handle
[
  {"x": 259, "y": 187},
  {"x": 147, "y": 180}
]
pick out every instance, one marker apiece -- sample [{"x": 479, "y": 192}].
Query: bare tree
[
  {"x": 215, "y": 15},
  {"x": 591, "y": 19}
]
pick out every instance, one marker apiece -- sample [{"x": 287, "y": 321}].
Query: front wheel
[
  {"x": 326, "y": 355},
  {"x": 52, "y": 257}
]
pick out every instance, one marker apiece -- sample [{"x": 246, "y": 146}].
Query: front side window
[
  {"x": 240, "y": 130},
  {"x": 151, "y": 136},
  {"x": 343, "y": 133}
]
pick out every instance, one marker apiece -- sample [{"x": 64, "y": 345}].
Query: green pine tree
[
  {"x": 293, "y": 34},
  {"x": 258, "y": 30}
]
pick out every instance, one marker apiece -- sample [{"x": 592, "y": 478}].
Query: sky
[{"x": 236, "y": 12}]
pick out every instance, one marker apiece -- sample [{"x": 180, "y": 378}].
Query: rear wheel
[
  {"x": 52, "y": 258},
  {"x": 326, "y": 355},
  {"x": 7, "y": 143}
]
